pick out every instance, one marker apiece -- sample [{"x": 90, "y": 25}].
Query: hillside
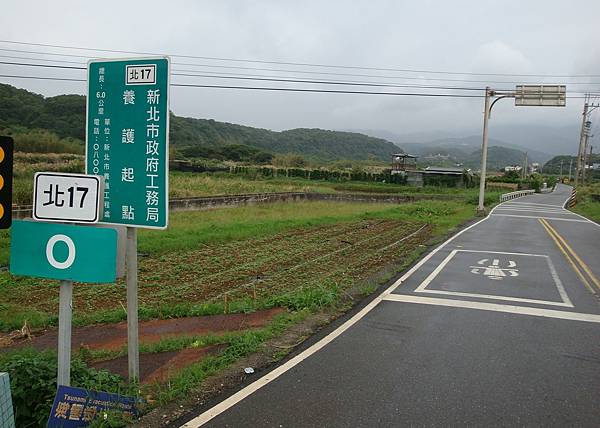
[
  {"x": 64, "y": 115},
  {"x": 316, "y": 144},
  {"x": 553, "y": 165},
  {"x": 498, "y": 158},
  {"x": 472, "y": 143},
  {"x": 467, "y": 155}
]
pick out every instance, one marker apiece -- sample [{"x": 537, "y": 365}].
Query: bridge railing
[{"x": 512, "y": 195}]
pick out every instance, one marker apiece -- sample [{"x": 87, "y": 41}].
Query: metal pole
[
  {"x": 561, "y": 163},
  {"x": 586, "y": 159},
  {"x": 65, "y": 313},
  {"x": 570, "y": 168},
  {"x": 580, "y": 152},
  {"x": 133, "y": 352},
  {"x": 484, "y": 147}
]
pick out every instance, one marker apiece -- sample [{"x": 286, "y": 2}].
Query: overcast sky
[{"x": 528, "y": 37}]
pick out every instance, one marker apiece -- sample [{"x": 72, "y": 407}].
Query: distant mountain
[
  {"x": 316, "y": 144},
  {"x": 471, "y": 143},
  {"x": 65, "y": 116},
  {"x": 498, "y": 157},
  {"x": 550, "y": 140},
  {"x": 467, "y": 152}
]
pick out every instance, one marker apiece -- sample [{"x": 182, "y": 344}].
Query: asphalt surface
[{"x": 498, "y": 327}]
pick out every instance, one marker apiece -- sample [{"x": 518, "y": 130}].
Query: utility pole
[
  {"x": 570, "y": 167},
  {"x": 561, "y": 163},
  {"x": 525, "y": 171},
  {"x": 586, "y": 160},
  {"x": 583, "y": 138},
  {"x": 580, "y": 152}
]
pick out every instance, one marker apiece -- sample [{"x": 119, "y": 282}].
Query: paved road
[{"x": 500, "y": 326}]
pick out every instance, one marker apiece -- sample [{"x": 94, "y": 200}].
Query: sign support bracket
[
  {"x": 133, "y": 353},
  {"x": 65, "y": 315}
]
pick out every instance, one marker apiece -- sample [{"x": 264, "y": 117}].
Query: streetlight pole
[{"x": 484, "y": 147}]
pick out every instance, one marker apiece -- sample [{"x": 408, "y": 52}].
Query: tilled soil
[
  {"x": 290, "y": 260},
  {"x": 158, "y": 367},
  {"x": 114, "y": 336}
]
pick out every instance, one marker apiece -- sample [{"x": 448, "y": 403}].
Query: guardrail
[{"x": 512, "y": 195}]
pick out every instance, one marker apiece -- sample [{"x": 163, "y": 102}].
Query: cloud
[{"x": 499, "y": 57}]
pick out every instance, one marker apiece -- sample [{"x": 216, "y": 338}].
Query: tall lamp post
[{"x": 524, "y": 95}]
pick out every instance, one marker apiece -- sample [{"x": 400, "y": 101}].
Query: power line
[
  {"x": 14, "y": 76},
  {"x": 322, "y": 82},
  {"x": 259, "y": 88},
  {"x": 307, "y": 71},
  {"x": 269, "y": 79},
  {"x": 272, "y": 89},
  {"x": 404, "y": 70},
  {"x": 245, "y": 75}
]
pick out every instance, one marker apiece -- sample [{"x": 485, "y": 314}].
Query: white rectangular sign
[
  {"x": 541, "y": 95},
  {"x": 67, "y": 197}
]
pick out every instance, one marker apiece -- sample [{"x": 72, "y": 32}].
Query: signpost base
[
  {"x": 133, "y": 352},
  {"x": 65, "y": 313}
]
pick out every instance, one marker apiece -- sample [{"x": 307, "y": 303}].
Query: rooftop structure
[{"x": 402, "y": 162}]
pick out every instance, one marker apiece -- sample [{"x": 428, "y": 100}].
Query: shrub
[{"x": 33, "y": 383}]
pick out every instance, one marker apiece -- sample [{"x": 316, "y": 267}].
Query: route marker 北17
[
  {"x": 67, "y": 197},
  {"x": 127, "y": 138}
]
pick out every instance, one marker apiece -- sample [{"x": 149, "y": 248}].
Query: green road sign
[
  {"x": 62, "y": 251},
  {"x": 127, "y": 138}
]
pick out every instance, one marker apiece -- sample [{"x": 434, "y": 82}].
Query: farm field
[
  {"x": 270, "y": 248},
  {"x": 297, "y": 259}
]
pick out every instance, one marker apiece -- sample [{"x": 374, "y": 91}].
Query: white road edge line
[
  {"x": 278, "y": 371},
  {"x": 495, "y": 307}
]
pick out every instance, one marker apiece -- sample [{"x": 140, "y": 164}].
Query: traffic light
[{"x": 6, "y": 176}]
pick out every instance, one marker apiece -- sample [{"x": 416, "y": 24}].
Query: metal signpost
[
  {"x": 524, "y": 95},
  {"x": 68, "y": 253},
  {"x": 127, "y": 142}
]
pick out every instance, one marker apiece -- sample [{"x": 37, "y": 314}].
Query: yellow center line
[
  {"x": 567, "y": 256},
  {"x": 574, "y": 254}
]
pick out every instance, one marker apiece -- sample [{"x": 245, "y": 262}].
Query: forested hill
[
  {"x": 312, "y": 143},
  {"x": 65, "y": 116}
]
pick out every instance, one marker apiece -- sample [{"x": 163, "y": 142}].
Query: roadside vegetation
[{"x": 588, "y": 204}]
